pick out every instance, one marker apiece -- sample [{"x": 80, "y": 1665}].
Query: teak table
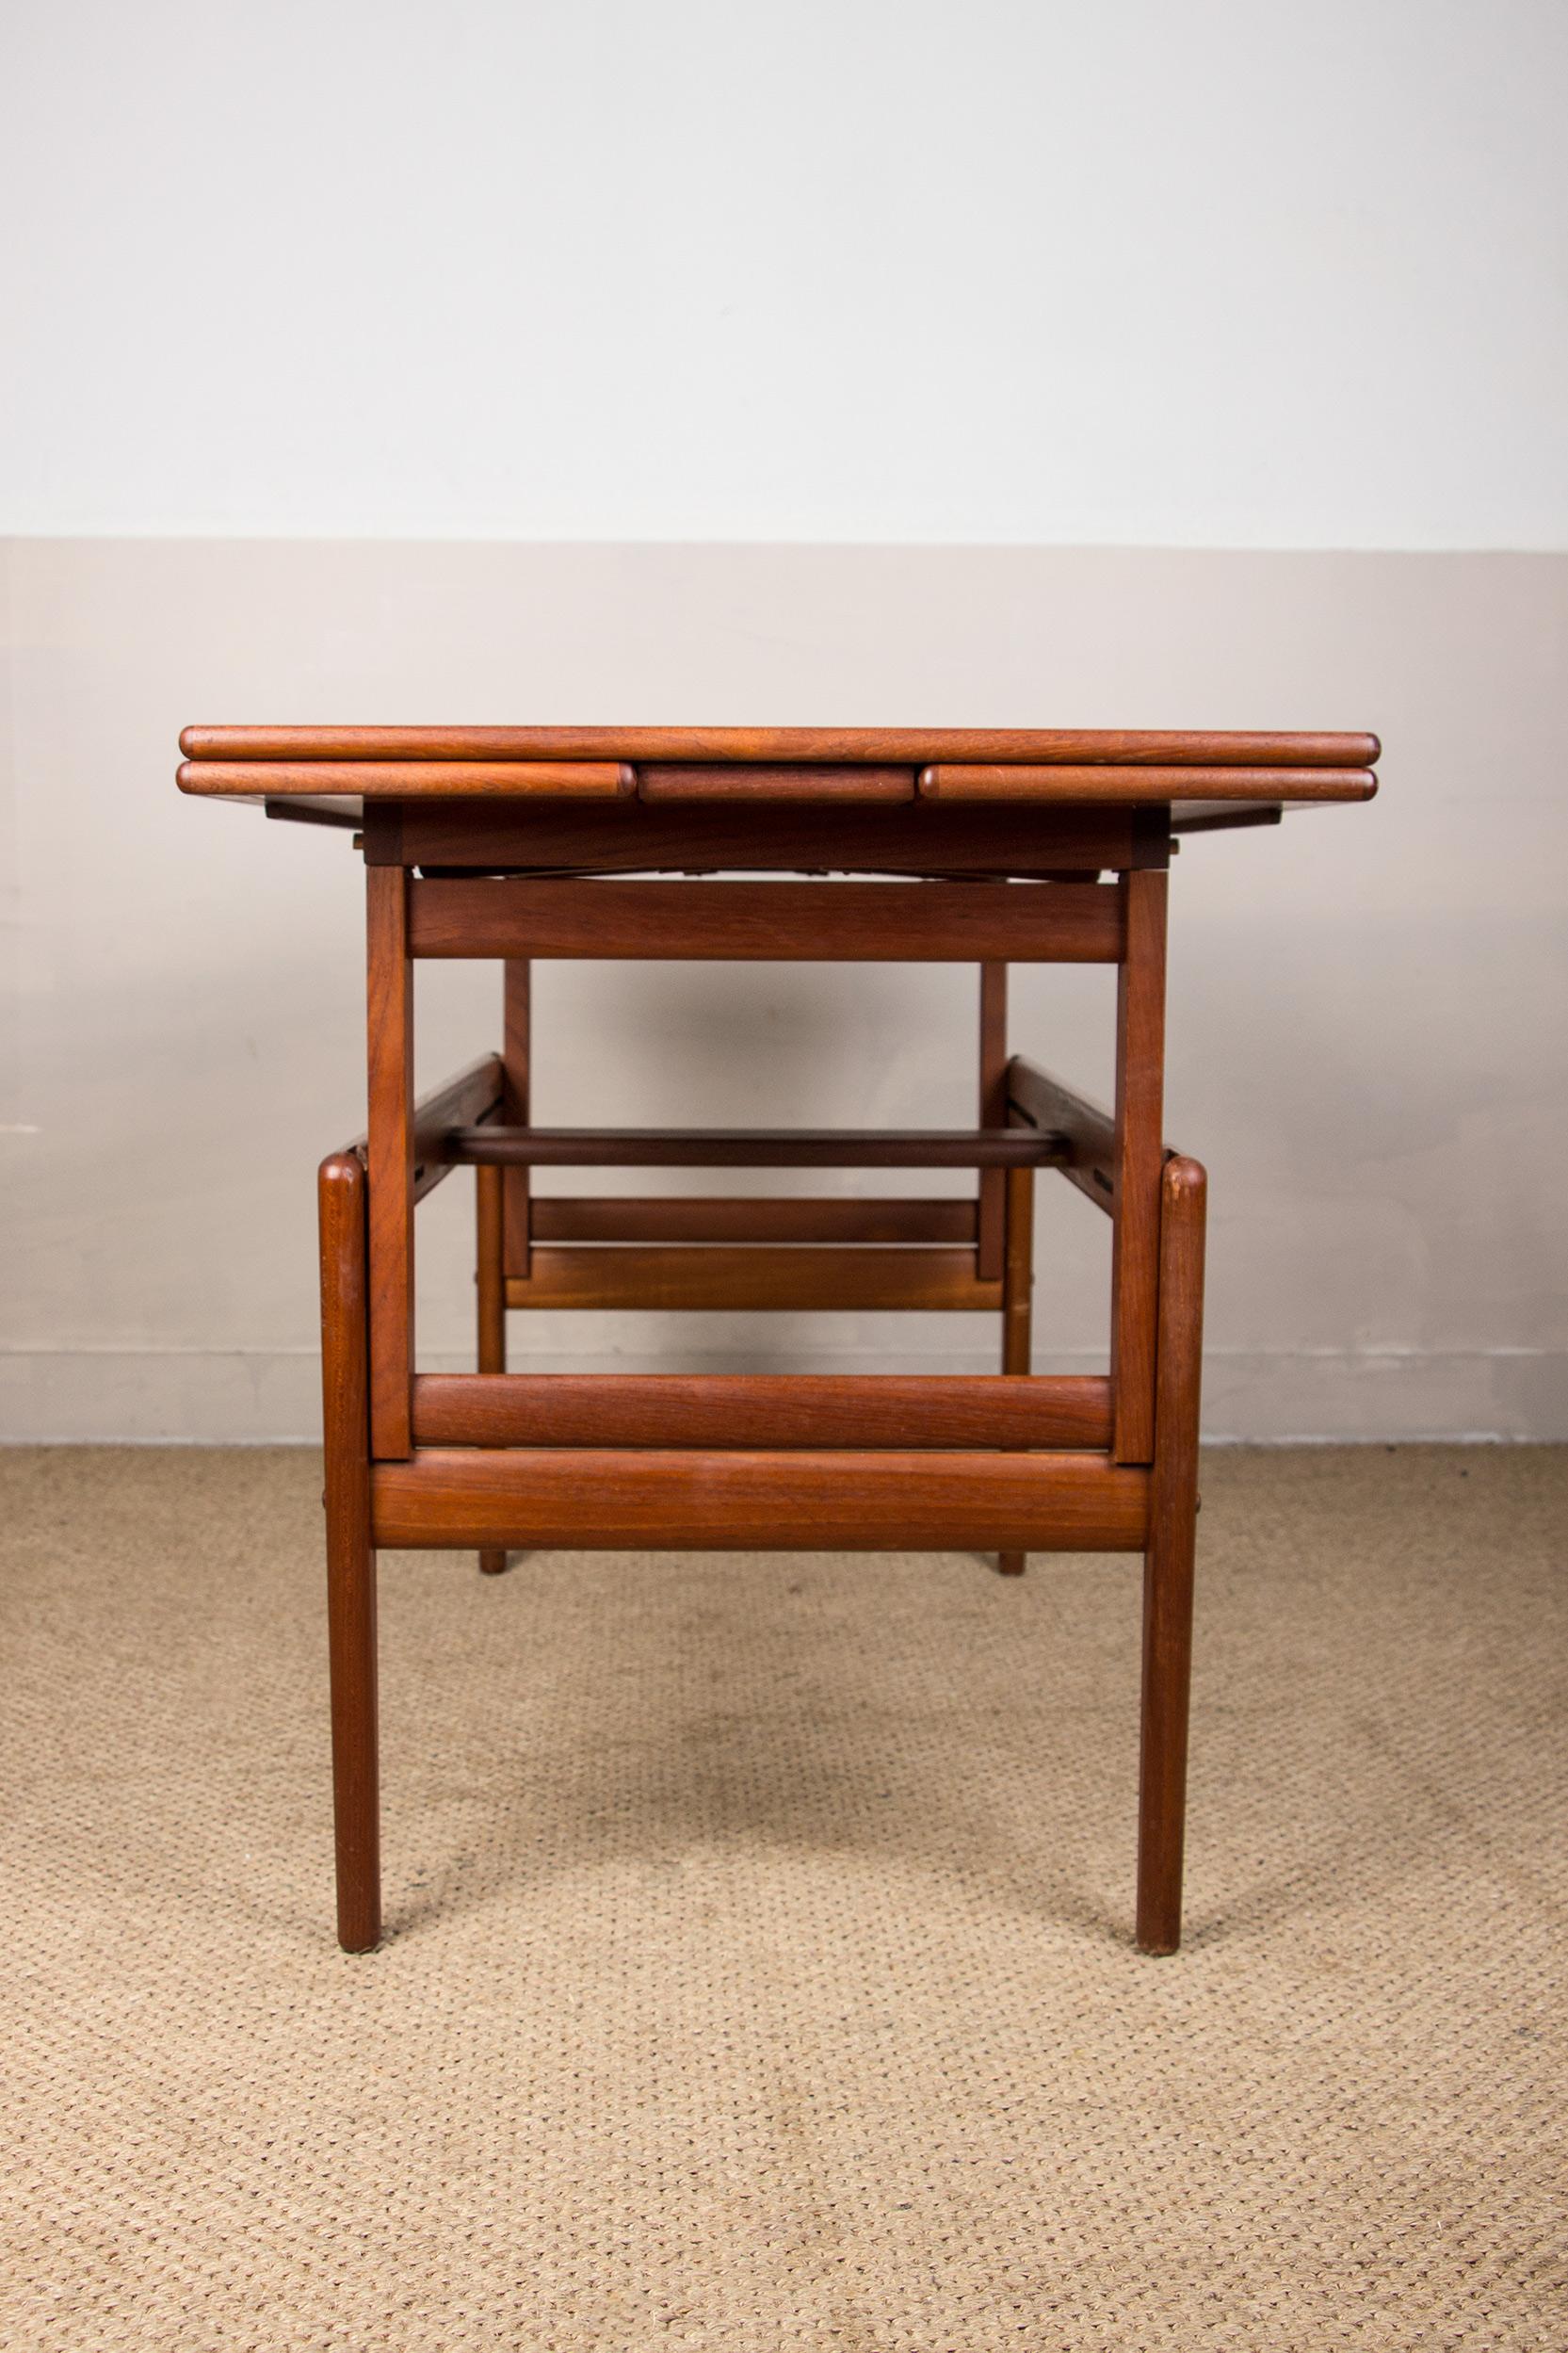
[{"x": 976, "y": 846}]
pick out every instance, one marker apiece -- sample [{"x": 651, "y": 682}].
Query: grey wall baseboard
[{"x": 216, "y": 1398}]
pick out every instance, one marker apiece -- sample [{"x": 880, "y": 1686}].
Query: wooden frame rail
[
  {"x": 760, "y": 1410},
  {"x": 805, "y": 1277},
  {"x": 710, "y": 1500},
  {"x": 913, "y": 922},
  {"x": 749, "y": 1148},
  {"x": 741, "y": 1217}
]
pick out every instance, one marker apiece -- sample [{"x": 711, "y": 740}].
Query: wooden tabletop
[{"x": 1210, "y": 774}]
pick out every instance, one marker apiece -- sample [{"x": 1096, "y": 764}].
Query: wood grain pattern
[
  {"x": 951, "y": 782},
  {"x": 760, "y": 1410},
  {"x": 491, "y": 1286},
  {"x": 662, "y": 781},
  {"x": 411, "y": 780},
  {"x": 351, "y": 1558},
  {"x": 749, "y": 1147},
  {"x": 992, "y": 1113},
  {"x": 710, "y": 1500},
  {"x": 911, "y": 747},
  {"x": 391, "y": 1157},
  {"x": 759, "y": 838},
  {"x": 1167, "y": 1569},
  {"x": 828, "y": 923},
  {"x": 1139, "y": 1158},
  {"x": 1017, "y": 1299},
  {"x": 1087, "y": 1132},
  {"x": 463, "y": 1102},
  {"x": 755, "y": 1280},
  {"x": 517, "y": 1062},
  {"x": 705, "y": 1218}
]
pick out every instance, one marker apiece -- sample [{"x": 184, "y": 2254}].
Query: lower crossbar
[{"x": 692, "y": 1500}]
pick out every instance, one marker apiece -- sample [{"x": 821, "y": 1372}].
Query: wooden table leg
[
  {"x": 1168, "y": 1564},
  {"x": 491, "y": 1279},
  {"x": 350, "y": 1558},
  {"x": 1017, "y": 1299}
]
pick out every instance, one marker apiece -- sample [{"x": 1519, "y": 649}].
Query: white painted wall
[
  {"x": 1014, "y": 288},
  {"x": 1369, "y": 1006},
  {"x": 1186, "y": 272}
]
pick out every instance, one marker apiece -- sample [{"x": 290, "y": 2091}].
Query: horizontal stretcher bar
[
  {"x": 749, "y": 1410},
  {"x": 616, "y": 1500},
  {"x": 803, "y": 1278},
  {"x": 815, "y": 922},
  {"x": 911, "y": 746},
  {"x": 751, "y": 1147},
  {"x": 686, "y": 1218}
]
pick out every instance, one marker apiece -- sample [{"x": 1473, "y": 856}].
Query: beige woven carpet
[{"x": 760, "y": 1974}]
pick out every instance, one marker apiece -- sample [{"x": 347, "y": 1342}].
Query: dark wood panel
[
  {"x": 703, "y": 1218},
  {"x": 759, "y": 1410},
  {"x": 826, "y": 922},
  {"x": 755, "y": 1280},
  {"x": 904, "y": 746},
  {"x": 658, "y": 781},
  {"x": 716, "y": 1500},
  {"x": 760, "y": 838},
  {"x": 748, "y": 1147}
]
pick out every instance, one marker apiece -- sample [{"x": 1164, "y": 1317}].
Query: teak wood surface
[{"x": 990, "y": 846}]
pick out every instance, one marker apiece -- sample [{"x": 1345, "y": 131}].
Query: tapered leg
[
  {"x": 492, "y": 1303},
  {"x": 1017, "y": 1301},
  {"x": 1168, "y": 1564},
  {"x": 350, "y": 1558}
]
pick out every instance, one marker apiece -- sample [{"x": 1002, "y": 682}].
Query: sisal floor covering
[{"x": 760, "y": 1974}]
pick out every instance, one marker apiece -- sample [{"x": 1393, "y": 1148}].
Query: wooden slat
[
  {"x": 1018, "y": 1277},
  {"x": 761, "y": 837},
  {"x": 758, "y": 1410},
  {"x": 703, "y": 1218},
  {"x": 755, "y": 1280},
  {"x": 490, "y": 1352},
  {"x": 397, "y": 780},
  {"x": 1088, "y": 1133},
  {"x": 661, "y": 781},
  {"x": 1017, "y": 1301},
  {"x": 749, "y": 1147},
  {"x": 1139, "y": 1158},
  {"x": 517, "y": 1059},
  {"x": 827, "y": 922},
  {"x": 992, "y": 1113},
  {"x": 390, "y": 1153},
  {"x": 903, "y": 746},
  {"x": 714, "y": 1500},
  {"x": 990, "y": 782}
]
